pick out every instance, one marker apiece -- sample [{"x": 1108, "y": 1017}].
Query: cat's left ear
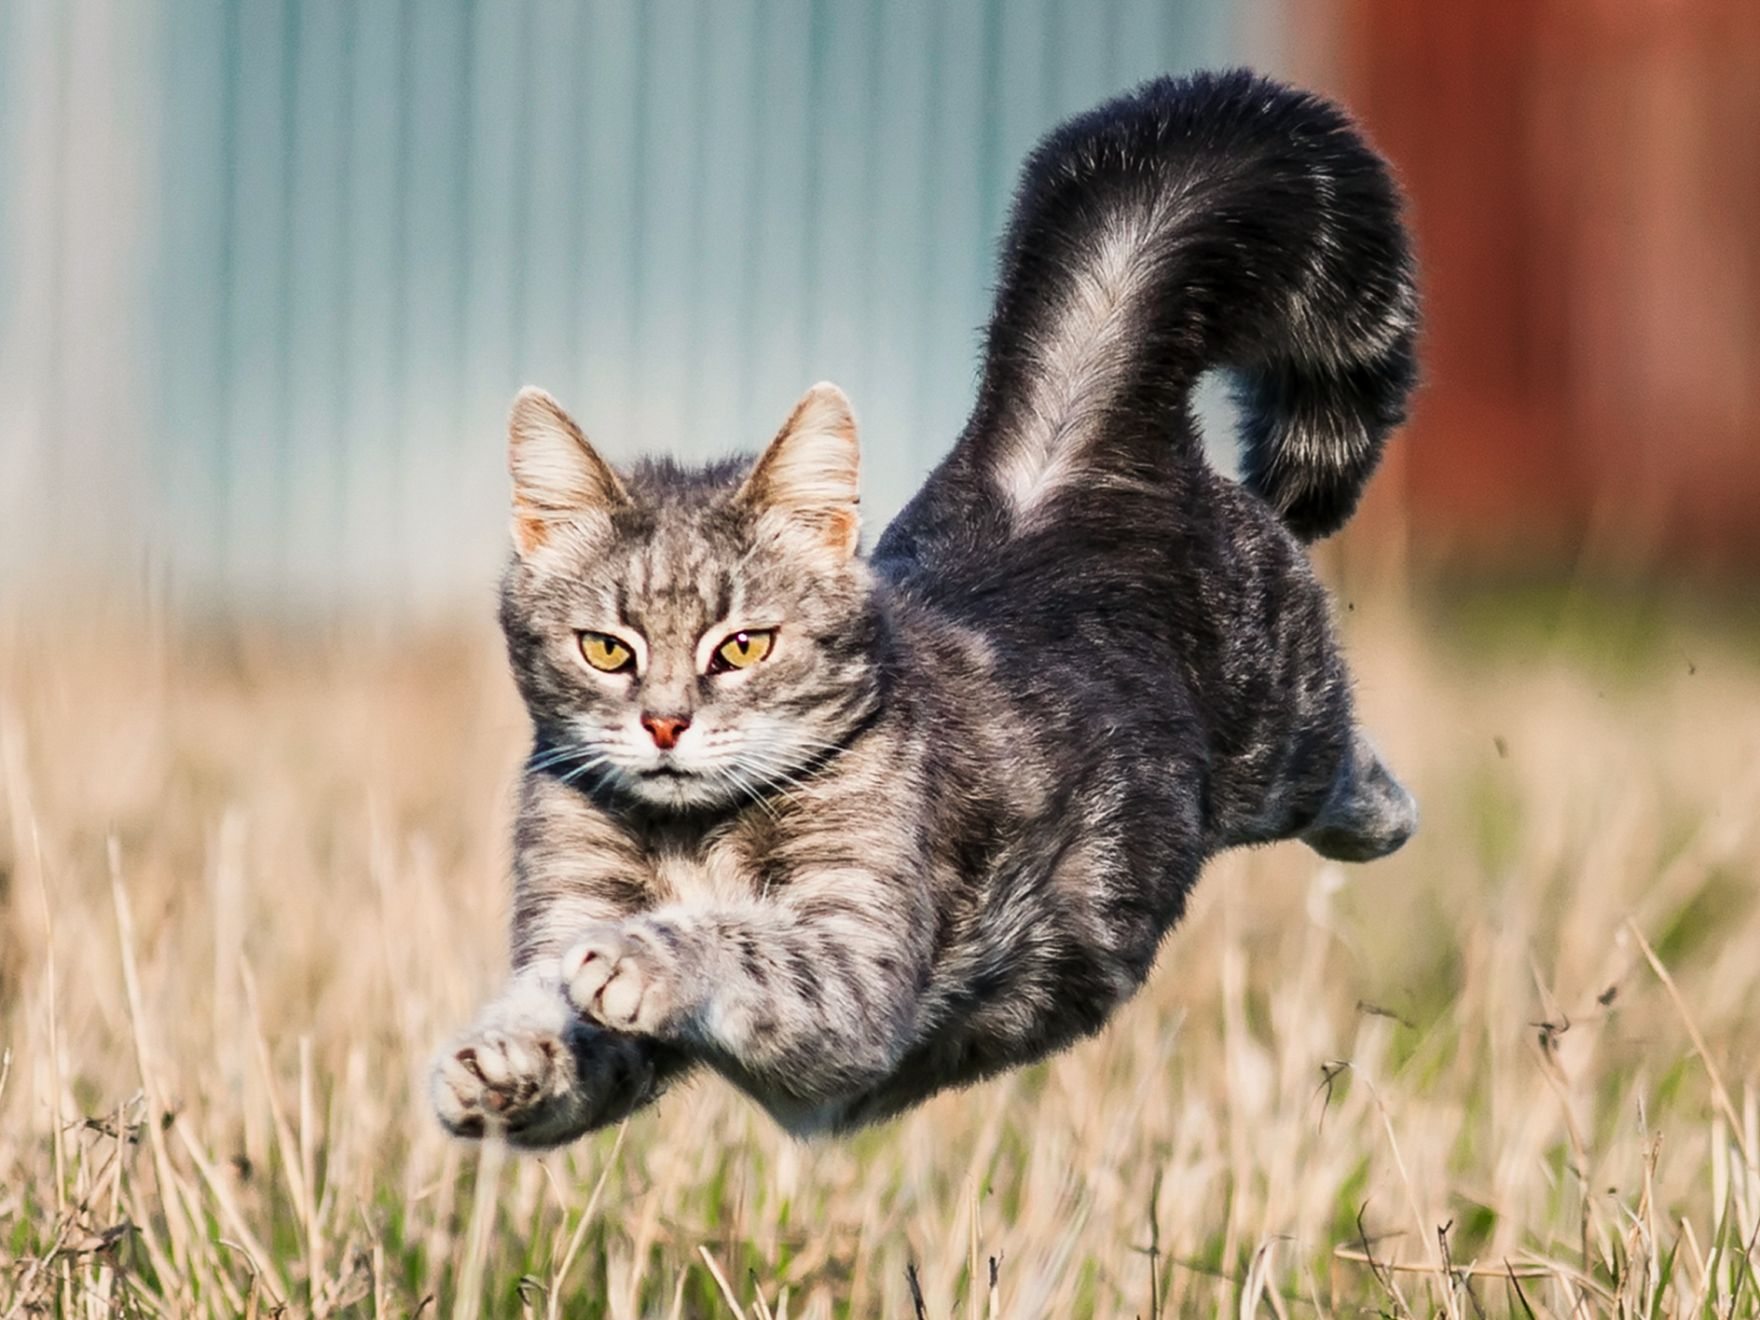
[{"x": 805, "y": 482}]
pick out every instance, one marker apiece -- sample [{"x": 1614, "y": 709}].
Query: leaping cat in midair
[{"x": 851, "y": 829}]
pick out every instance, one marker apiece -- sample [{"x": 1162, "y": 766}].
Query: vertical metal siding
[{"x": 367, "y": 224}]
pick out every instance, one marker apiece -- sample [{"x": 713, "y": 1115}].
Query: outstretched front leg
[
  {"x": 806, "y": 1002},
  {"x": 532, "y": 1071}
]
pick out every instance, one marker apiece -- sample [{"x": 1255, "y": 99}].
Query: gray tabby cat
[{"x": 851, "y": 830}]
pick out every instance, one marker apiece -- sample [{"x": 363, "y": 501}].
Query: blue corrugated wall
[{"x": 354, "y": 229}]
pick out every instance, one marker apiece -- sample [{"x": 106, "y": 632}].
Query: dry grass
[{"x": 248, "y": 885}]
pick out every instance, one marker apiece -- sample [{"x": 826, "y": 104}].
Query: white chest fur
[{"x": 713, "y": 878}]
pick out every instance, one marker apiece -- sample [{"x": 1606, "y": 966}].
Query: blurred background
[
  {"x": 270, "y": 273},
  {"x": 271, "y": 270}
]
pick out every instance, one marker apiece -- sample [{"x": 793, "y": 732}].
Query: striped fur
[{"x": 941, "y": 829}]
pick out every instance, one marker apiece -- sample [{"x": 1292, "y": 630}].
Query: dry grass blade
[
  {"x": 261, "y": 1260},
  {"x": 1475, "y": 1271},
  {"x": 170, "y": 1192},
  {"x": 559, "y": 1280},
  {"x": 1719, "y": 1092},
  {"x": 468, "y": 1295},
  {"x": 721, "y": 1282}
]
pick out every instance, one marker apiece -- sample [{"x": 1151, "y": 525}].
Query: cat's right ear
[{"x": 557, "y": 476}]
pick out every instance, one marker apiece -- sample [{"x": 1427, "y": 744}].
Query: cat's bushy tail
[{"x": 1220, "y": 220}]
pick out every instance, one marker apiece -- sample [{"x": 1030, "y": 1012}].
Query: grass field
[{"x": 249, "y": 879}]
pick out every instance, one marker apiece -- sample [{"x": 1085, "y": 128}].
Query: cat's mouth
[{"x": 666, "y": 772}]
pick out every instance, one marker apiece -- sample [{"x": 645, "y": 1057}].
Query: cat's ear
[
  {"x": 557, "y": 475},
  {"x": 805, "y": 482}
]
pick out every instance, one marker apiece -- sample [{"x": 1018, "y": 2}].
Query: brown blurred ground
[{"x": 1585, "y": 180}]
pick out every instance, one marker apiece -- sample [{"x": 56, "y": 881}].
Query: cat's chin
[{"x": 675, "y": 790}]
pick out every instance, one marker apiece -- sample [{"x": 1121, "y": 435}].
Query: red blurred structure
[{"x": 1585, "y": 180}]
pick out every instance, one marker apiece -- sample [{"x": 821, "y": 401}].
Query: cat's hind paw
[{"x": 1369, "y": 814}]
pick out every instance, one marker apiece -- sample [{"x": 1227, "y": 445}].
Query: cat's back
[{"x": 1120, "y": 589}]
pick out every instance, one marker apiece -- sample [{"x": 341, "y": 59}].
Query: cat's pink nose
[{"x": 664, "y": 729}]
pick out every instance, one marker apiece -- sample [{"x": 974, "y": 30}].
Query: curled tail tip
[
  {"x": 1312, "y": 436},
  {"x": 1210, "y": 221},
  {"x": 1331, "y": 375}
]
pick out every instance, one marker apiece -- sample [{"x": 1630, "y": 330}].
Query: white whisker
[{"x": 589, "y": 765}]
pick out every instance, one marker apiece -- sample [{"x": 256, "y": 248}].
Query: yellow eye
[
  {"x": 605, "y": 653},
  {"x": 742, "y": 650}
]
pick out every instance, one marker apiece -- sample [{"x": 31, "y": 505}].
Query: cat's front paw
[
  {"x": 626, "y": 976},
  {"x": 518, "y": 1082}
]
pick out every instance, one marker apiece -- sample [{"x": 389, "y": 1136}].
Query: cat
[{"x": 848, "y": 829}]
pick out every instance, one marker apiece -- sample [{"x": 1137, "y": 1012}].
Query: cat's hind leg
[{"x": 1367, "y": 815}]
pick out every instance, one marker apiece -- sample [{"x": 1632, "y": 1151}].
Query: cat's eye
[
  {"x": 605, "y": 653},
  {"x": 742, "y": 650}
]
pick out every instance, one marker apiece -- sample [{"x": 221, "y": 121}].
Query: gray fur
[{"x": 941, "y": 830}]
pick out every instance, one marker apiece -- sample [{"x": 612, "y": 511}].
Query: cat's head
[{"x": 689, "y": 638}]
